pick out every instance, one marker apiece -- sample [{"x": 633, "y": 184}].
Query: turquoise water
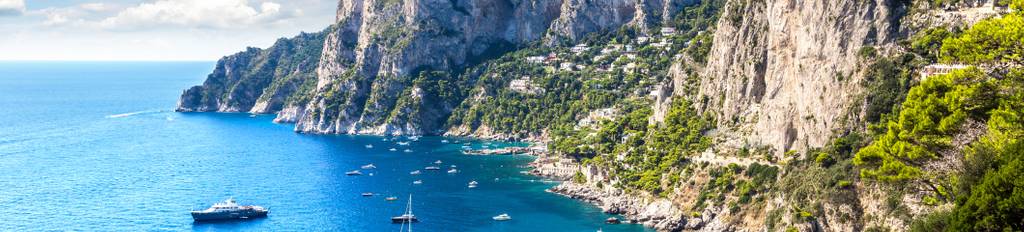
[{"x": 95, "y": 146}]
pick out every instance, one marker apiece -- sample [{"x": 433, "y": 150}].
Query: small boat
[
  {"x": 502, "y": 217},
  {"x": 252, "y": 115},
  {"x": 612, "y": 220},
  {"x": 444, "y": 141},
  {"x": 368, "y": 166},
  {"x": 229, "y": 210},
  {"x": 417, "y": 182},
  {"x": 369, "y": 145},
  {"x": 354, "y": 173},
  {"x": 472, "y": 184},
  {"x": 452, "y": 171},
  {"x": 407, "y": 150},
  {"x": 406, "y": 217},
  {"x": 453, "y": 166},
  {"x": 392, "y": 149},
  {"x": 432, "y": 168},
  {"x": 438, "y": 162},
  {"x": 391, "y": 198},
  {"x": 417, "y": 172},
  {"x": 367, "y": 194},
  {"x": 403, "y": 143}
]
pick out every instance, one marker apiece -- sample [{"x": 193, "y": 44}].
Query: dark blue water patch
[{"x": 96, "y": 147}]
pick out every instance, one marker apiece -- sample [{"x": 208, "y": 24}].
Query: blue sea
[{"x": 96, "y": 146}]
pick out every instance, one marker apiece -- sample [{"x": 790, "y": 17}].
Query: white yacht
[
  {"x": 229, "y": 210},
  {"x": 502, "y": 217}
]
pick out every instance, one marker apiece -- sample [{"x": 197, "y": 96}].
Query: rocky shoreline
[{"x": 658, "y": 213}]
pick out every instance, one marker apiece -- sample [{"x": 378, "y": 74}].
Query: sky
[{"x": 151, "y": 30}]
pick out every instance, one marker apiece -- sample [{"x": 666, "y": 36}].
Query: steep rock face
[
  {"x": 256, "y": 80},
  {"x": 783, "y": 73},
  {"x": 372, "y": 65}
]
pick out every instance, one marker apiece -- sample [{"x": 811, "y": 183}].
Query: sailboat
[{"x": 406, "y": 217}]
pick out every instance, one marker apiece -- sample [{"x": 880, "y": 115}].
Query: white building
[
  {"x": 939, "y": 69},
  {"x": 668, "y": 31},
  {"x": 524, "y": 85},
  {"x": 567, "y": 66},
  {"x": 580, "y": 48},
  {"x": 611, "y": 48},
  {"x": 643, "y": 39},
  {"x": 536, "y": 59}
]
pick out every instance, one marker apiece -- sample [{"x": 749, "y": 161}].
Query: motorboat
[
  {"x": 392, "y": 149},
  {"x": 453, "y": 171},
  {"x": 417, "y": 172},
  {"x": 438, "y": 162},
  {"x": 502, "y": 217},
  {"x": 354, "y": 173},
  {"x": 391, "y": 198},
  {"x": 417, "y": 182},
  {"x": 407, "y": 150},
  {"x": 368, "y": 166},
  {"x": 432, "y": 168},
  {"x": 367, "y": 194},
  {"x": 369, "y": 145}
]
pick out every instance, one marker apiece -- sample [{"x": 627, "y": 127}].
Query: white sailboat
[{"x": 406, "y": 217}]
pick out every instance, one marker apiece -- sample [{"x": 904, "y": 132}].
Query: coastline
[{"x": 639, "y": 208}]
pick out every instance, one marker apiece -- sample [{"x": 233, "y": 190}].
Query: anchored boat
[
  {"x": 406, "y": 217},
  {"x": 229, "y": 210}
]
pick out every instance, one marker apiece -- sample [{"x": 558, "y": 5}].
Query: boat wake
[{"x": 125, "y": 115}]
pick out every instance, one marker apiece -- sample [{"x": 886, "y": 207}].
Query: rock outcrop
[
  {"x": 257, "y": 80},
  {"x": 784, "y": 73}
]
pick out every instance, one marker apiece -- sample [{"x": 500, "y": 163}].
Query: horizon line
[{"x": 126, "y": 60}]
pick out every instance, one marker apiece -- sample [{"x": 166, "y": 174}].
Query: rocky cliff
[
  {"x": 257, "y": 80},
  {"x": 370, "y": 77},
  {"x": 784, "y": 74}
]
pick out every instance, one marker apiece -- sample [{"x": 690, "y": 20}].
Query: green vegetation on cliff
[{"x": 974, "y": 115}]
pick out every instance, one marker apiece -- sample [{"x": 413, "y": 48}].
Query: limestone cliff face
[
  {"x": 369, "y": 78},
  {"x": 784, "y": 73},
  {"x": 256, "y": 80}
]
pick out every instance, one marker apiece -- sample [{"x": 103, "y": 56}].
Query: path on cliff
[{"x": 710, "y": 157}]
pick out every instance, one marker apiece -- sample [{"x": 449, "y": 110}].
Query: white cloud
[
  {"x": 12, "y": 7},
  {"x": 95, "y": 6},
  {"x": 195, "y": 13}
]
